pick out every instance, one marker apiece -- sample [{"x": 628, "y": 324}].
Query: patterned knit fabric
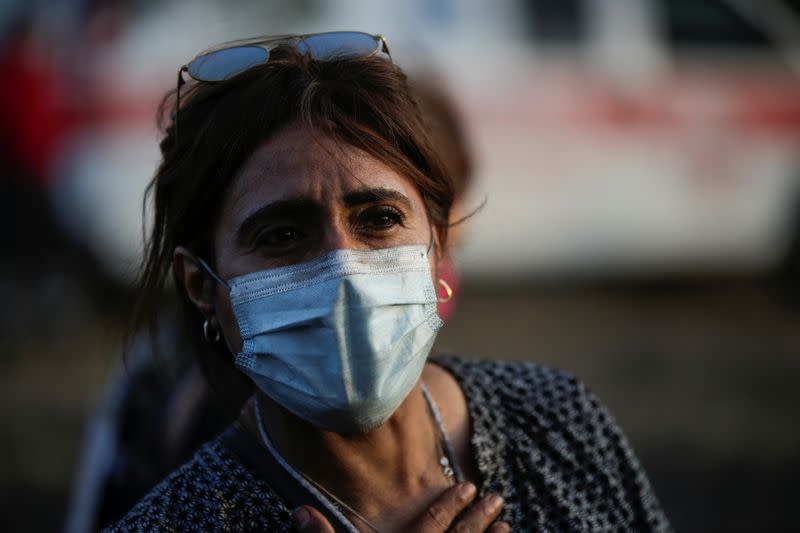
[{"x": 539, "y": 438}]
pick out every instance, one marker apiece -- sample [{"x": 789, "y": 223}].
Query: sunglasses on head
[{"x": 226, "y": 60}]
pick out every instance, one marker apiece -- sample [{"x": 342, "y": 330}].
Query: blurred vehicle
[
  {"x": 639, "y": 138},
  {"x": 623, "y": 137}
]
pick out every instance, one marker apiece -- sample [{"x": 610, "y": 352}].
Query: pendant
[{"x": 446, "y": 468}]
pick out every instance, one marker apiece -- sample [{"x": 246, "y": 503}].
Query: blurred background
[{"x": 639, "y": 161}]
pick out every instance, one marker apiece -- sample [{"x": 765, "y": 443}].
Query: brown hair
[
  {"x": 364, "y": 102},
  {"x": 448, "y": 134}
]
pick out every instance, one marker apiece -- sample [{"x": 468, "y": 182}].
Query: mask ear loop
[
  {"x": 213, "y": 274},
  {"x": 224, "y": 283},
  {"x": 442, "y": 283},
  {"x": 431, "y": 241}
]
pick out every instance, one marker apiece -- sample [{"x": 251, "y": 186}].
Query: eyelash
[
  {"x": 395, "y": 218},
  {"x": 264, "y": 237},
  {"x": 364, "y": 221}
]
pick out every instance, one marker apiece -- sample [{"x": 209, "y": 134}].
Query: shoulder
[
  {"x": 516, "y": 382},
  {"x": 525, "y": 396},
  {"x": 556, "y": 433},
  {"x": 534, "y": 402},
  {"x": 211, "y": 492},
  {"x": 529, "y": 402}
]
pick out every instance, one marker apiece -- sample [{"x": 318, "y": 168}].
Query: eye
[
  {"x": 280, "y": 237},
  {"x": 379, "y": 218}
]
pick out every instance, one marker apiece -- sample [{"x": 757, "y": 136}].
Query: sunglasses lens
[
  {"x": 338, "y": 45},
  {"x": 223, "y": 64}
]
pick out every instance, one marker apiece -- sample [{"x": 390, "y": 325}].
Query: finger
[
  {"x": 309, "y": 520},
  {"x": 441, "y": 513},
  {"x": 500, "y": 527},
  {"x": 481, "y": 516}
]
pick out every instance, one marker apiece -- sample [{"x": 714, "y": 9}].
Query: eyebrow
[
  {"x": 303, "y": 205},
  {"x": 376, "y": 194}
]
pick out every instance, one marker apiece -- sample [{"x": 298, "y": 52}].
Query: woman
[{"x": 303, "y": 212}]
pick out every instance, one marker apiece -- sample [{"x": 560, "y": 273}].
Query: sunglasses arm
[{"x": 384, "y": 45}]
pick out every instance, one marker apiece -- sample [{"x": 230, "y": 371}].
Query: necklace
[
  {"x": 447, "y": 458},
  {"x": 339, "y": 503}
]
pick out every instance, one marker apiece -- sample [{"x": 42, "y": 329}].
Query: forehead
[{"x": 297, "y": 162}]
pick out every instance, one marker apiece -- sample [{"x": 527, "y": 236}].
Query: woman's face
[{"x": 299, "y": 196}]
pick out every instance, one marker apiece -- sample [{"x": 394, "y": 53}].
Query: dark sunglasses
[{"x": 226, "y": 60}]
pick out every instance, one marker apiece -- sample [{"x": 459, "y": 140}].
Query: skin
[{"x": 297, "y": 197}]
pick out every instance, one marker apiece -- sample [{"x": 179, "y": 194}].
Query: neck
[
  {"x": 398, "y": 451},
  {"x": 372, "y": 472}
]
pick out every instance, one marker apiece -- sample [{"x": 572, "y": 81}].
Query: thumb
[{"x": 309, "y": 520}]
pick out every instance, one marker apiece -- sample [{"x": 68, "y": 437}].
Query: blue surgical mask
[{"x": 339, "y": 341}]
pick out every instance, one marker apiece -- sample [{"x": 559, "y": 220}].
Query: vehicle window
[
  {"x": 555, "y": 22},
  {"x": 693, "y": 23}
]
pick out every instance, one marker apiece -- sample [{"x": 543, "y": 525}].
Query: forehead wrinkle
[
  {"x": 298, "y": 154},
  {"x": 263, "y": 164}
]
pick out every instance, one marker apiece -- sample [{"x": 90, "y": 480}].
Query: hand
[{"x": 437, "y": 519}]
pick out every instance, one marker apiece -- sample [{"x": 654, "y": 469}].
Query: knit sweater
[{"x": 540, "y": 440}]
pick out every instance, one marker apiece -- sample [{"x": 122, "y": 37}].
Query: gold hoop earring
[
  {"x": 447, "y": 291},
  {"x": 207, "y": 334}
]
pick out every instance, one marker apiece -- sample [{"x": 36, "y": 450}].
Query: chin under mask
[{"x": 339, "y": 341}]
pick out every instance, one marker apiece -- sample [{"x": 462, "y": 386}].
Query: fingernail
[
  {"x": 466, "y": 490},
  {"x": 301, "y": 518},
  {"x": 496, "y": 501}
]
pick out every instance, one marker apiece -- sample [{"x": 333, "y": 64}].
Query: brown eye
[
  {"x": 280, "y": 237},
  {"x": 380, "y": 218}
]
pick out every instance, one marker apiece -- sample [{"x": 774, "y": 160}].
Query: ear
[{"x": 189, "y": 273}]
